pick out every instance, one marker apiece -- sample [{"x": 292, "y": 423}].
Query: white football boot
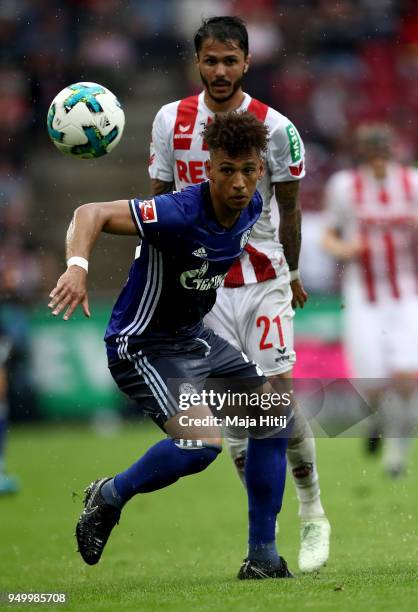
[{"x": 314, "y": 543}]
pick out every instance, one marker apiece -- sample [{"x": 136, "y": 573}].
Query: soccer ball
[{"x": 85, "y": 120}]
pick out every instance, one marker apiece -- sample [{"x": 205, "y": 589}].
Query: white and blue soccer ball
[{"x": 85, "y": 120}]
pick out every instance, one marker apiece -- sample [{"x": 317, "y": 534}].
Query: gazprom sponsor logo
[
  {"x": 194, "y": 279},
  {"x": 294, "y": 142}
]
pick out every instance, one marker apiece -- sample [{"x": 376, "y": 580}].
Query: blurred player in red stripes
[
  {"x": 254, "y": 309},
  {"x": 372, "y": 216}
]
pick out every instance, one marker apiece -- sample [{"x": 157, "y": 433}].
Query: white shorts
[
  {"x": 257, "y": 319},
  {"x": 382, "y": 339}
]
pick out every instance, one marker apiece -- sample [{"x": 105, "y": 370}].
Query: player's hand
[
  {"x": 70, "y": 291},
  {"x": 299, "y": 294},
  {"x": 351, "y": 249}
]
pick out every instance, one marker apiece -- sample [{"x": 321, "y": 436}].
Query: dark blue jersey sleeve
[{"x": 159, "y": 218}]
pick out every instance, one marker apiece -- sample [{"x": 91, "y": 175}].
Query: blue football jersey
[{"x": 182, "y": 258}]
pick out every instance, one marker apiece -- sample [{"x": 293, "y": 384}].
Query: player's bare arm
[
  {"x": 338, "y": 247},
  {"x": 290, "y": 233},
  {"x": 159, "y": 187},
  {"x": 86, "y": 225}
]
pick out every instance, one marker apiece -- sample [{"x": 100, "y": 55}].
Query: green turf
[{"x": 180, "y": 549}]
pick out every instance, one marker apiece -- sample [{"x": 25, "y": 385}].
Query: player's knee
[
  {"x": 200, "y": 453},
  {"x": 303, "y": 470}
]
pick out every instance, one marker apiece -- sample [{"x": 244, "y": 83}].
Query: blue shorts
[{"x": 157, "y": 373}]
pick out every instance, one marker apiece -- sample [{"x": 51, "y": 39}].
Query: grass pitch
[{"x": 180, "y": 548}]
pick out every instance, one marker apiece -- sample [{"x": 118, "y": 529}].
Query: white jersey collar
[{"x": 243, "y": 106}]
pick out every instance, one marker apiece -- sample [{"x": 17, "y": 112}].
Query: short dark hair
[
  {"x": 236, "y": 132},
  {"x": 222, "y": 29}
]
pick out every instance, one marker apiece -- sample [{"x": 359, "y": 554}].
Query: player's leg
[
  {"x": 221, "y": 319},
  {"x": 265, "y": 463},
  {"x": 363, "y": 339},
  {"x": 400, "y": 401},
  {"x": 186, "y": 451},
  {"x": 400, "y": 415},
  {"x": 162, "y": 465},
  {"x": 385, "y": 372},
  {"x": 268, "y": 339},
  {"x": 189, "y": 449},
  {"x": 265, "y": 476},
  {"x": 315, "y": 529}
]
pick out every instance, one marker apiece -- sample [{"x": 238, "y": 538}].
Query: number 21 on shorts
[{"x": 276, "y": 328}]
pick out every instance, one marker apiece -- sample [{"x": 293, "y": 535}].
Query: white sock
[{"x": 301, "y": 457}]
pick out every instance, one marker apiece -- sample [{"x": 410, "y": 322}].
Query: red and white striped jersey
[
  {"x": 178, "y": 154},
  {"x": 383, "y": 215}
]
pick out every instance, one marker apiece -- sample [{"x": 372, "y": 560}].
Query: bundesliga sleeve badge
[
  {"x": 148, "y": 211},
  {"x": 296, "y": 169}
]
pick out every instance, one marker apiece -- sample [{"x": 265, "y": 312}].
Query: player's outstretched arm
[
  {"x": 340, "y": 248},
  {"x": 290, "y": 233},
  {"x": 86, "y": 225}
]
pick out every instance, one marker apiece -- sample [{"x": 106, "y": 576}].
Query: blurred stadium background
[{"x": 327, "y": 65}]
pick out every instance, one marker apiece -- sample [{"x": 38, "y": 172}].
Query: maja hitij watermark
[{"x": 230, "y": 405}]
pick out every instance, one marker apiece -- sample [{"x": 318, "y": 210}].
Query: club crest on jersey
[
  {"x": 148, "y": 211},
  {"x": 296, "y": 170},
  {"x": 194, "y": 279},
  {"x": 245, "y": 238},
  {"x": 200, "y": 252},
  {"x": 187, "y": 388}
]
